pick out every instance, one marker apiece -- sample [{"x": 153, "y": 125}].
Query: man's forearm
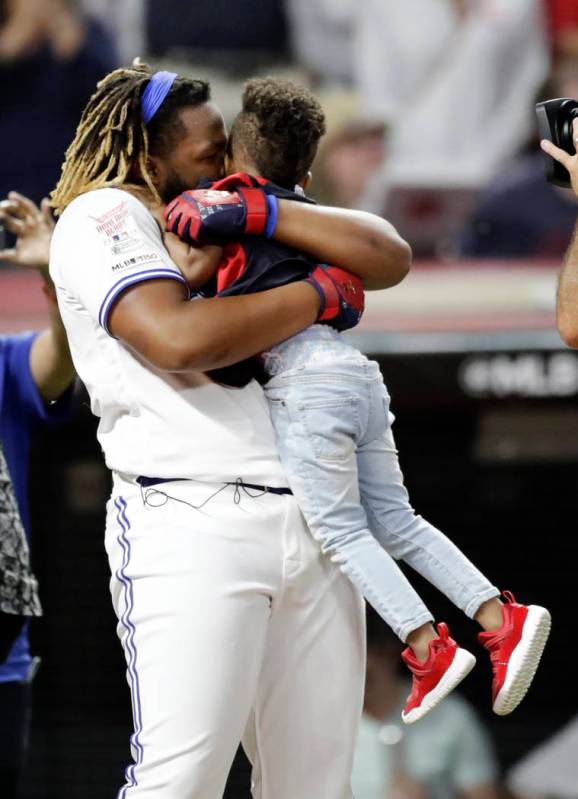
[
  {"x": 241, "y": 330},
  {"x": 362, "y": 243},
  {"x": 567, "y": 297},
  {"x": 200, "y": 335}
]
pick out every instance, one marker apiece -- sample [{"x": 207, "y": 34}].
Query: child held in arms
[{"x": 330, "y": 410}]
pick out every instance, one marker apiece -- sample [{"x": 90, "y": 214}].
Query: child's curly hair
[{"x": 279, "y": 127}]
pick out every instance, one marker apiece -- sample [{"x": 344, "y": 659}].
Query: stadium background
[{"x": 484, "y": 393}]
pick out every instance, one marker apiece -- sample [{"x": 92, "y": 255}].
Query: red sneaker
[
  {"x": 515, "y": 651},
  {"x": 434, "y": 678}
]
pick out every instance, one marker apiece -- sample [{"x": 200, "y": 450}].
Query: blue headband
[{"x": 153, "y": 96}]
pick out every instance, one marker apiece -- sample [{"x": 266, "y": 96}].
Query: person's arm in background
[
  {"x": 50, "y": 362},
  {"x": 567, "y": 296}
]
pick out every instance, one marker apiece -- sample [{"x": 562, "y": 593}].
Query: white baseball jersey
[{"x": 152, "y": 423}]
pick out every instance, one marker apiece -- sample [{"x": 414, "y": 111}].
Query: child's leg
[
  {"x": 405, "y": 535},
  {"x": 515, "y": 634},
  {"x": 316, "y": 439},
  {"x": 318, "y": 422}
]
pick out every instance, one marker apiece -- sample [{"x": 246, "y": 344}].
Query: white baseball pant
[{"x": 234, "y": 625}]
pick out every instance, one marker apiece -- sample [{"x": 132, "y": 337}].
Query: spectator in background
[
  {"x": 51, "y": 56},
  {"x": 35, "y": 374},
  {"x": 124, "y": 20},
  {"x": 456, "y": 90},
  {"x": 447, "y": 121},
  {"x": 520, "y": 215},
  {"x": 232, "y": 36},
  {"x": 446, "y": 755},
  {"x": 349, "y": 153},
  {"x": 321, "y": 36}
]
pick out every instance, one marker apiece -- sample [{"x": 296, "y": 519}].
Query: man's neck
[{"x": 141, "y": 192}]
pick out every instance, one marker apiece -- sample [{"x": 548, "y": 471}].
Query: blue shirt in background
[{"x": 22, "y": 410}]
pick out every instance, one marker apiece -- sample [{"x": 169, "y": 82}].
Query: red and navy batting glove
[
  {"x": 342, "y": 296},
  {"x": 200, "y": 216}
]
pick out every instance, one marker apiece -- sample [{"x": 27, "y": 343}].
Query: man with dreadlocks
[{"x": 230, "y": 618}]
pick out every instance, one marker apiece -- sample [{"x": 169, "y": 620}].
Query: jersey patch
[{"x": 118, "y": 230}]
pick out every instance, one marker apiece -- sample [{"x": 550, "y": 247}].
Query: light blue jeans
[{"x": 330, "y": 410}]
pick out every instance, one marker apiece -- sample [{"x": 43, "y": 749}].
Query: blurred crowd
[{"x": 431, "y": 125}]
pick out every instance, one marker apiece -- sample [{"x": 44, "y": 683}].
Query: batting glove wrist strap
[
  {"x": 273, "y": 210},
  {"x": 341, "y": 294}
]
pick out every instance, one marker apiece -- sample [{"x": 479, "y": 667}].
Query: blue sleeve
[{"x": 20, "y": 383}]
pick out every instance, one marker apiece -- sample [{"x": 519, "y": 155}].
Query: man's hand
[
  {"x": 341, "y": 294},
  {"x": 202, "y": 216},
  {"x": 566, "y": 159},
  {"x": 567, "y": 295},
  {"x": 32, "y": 227}
]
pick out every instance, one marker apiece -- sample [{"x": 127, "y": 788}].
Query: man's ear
[{"x": 154, "y": 168}]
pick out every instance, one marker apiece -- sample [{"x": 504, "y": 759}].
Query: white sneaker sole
[
  {"x": 524, "y": 660},
  {"x": 461, "y": 666}
]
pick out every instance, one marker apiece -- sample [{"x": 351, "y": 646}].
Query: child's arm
[{"x": 198, "y": 264}]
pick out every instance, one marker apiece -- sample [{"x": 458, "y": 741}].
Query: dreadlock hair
[
  {"x": 112, "y": 142},
  {"x": 279, "y": 127}
]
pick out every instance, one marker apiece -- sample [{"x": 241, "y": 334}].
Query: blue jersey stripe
[
  {"x": 131, "y": 651},
  {"x": 131, "y": 280}
]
